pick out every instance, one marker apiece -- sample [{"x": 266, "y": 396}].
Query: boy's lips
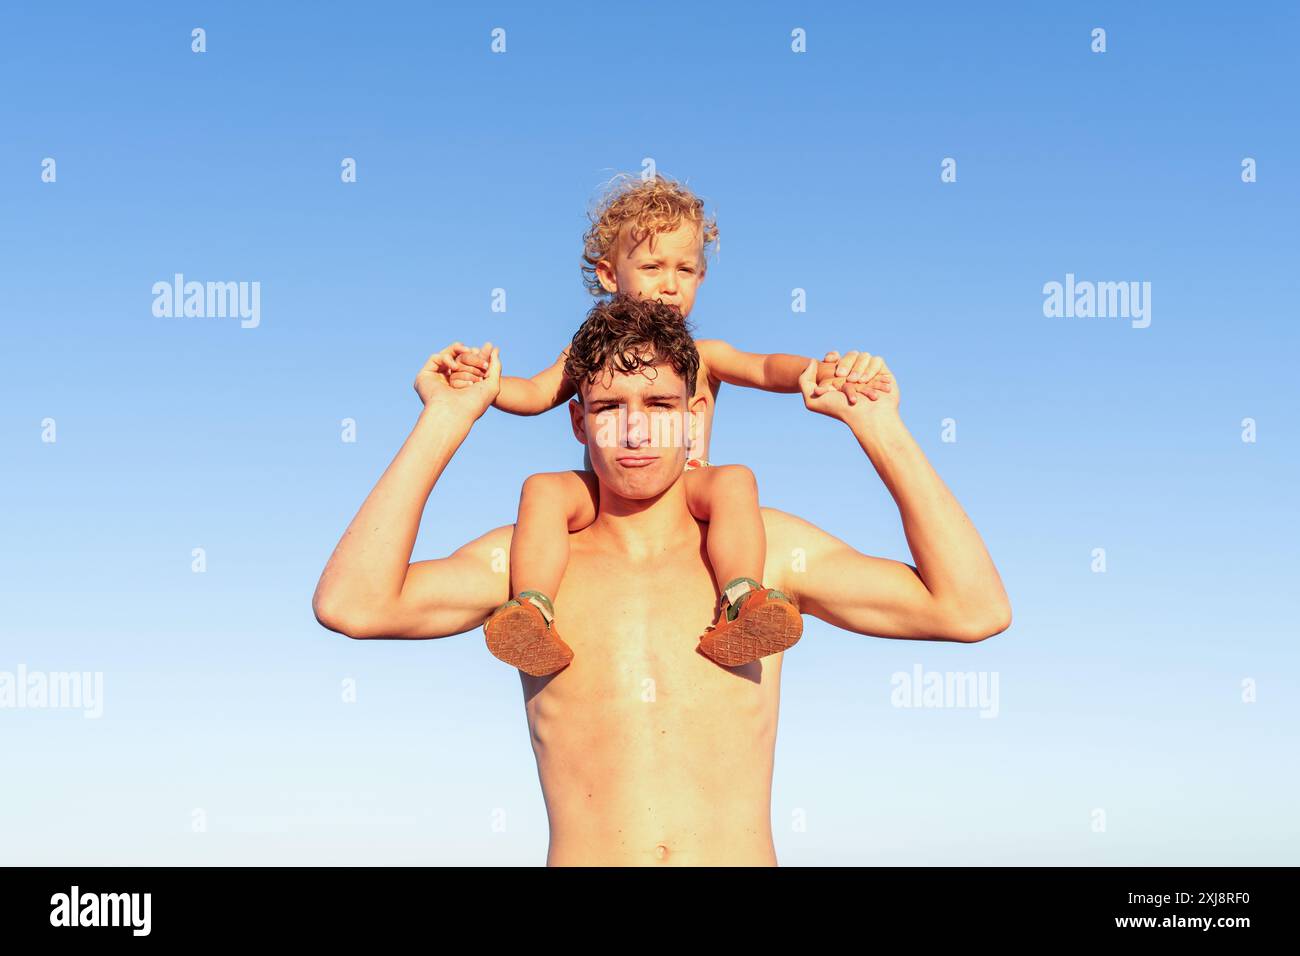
[{"x": 636, "y": 461}]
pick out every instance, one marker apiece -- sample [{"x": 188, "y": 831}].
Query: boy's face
[
  {"x": 636, "y": 427},
  {"x": 668, "y": 266}
]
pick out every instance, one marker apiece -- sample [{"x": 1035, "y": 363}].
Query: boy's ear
[
  {"x": 696, "y": 407},
  {"x": 608, "y": 278},
  {"x": 578, "y": 420}
]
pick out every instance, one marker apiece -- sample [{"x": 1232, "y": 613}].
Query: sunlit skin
[
  {"x": 648, "y": 752},
  {"x": 615, "y": 421},
  {"x": 668, "y": 266}
]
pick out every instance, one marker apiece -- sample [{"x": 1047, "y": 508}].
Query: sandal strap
[
  {"x": 735, "y": 594},
  {"x": 541, "y": 602}
]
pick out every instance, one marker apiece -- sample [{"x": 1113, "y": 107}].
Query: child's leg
[
  {"x": 726, "y": 496},
  {"x": 521, "y": 632},
  {"x": 760, "y": 621},
  {"x": 550, "y": 506}
]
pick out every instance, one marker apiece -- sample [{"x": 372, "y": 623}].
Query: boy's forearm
[
  {"x": 949, "y": 553},
  {"x": 368, "y": 567}
]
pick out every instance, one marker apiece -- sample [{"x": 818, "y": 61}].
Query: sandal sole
[
  {"x": 522, "y": 639},
  {"x": 770, "y": 629}
]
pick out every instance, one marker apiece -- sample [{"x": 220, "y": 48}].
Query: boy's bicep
[
  {"x": 858, "y": 592},
  {"x": 454, "y": 594}
]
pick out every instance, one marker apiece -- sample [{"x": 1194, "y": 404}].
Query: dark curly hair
[{"x": 625, "y": 334}]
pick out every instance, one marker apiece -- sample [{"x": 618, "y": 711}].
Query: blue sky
[{"x": 1119, "y": 691}]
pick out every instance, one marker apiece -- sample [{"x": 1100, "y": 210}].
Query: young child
[{"x": 648, "y": 240}]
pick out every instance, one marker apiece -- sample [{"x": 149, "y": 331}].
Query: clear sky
[{"x": 1146, "y": 714}]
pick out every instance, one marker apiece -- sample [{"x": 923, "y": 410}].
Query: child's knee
[
  {"x": 542, "y": 488},
  {"x": 562, "y": 493},
  {"x": 736, "y": 479}
]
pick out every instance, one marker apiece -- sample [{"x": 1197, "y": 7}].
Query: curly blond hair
[{"x": 648, "y": 206}]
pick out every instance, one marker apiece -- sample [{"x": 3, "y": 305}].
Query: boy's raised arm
[
  {"x": 954, "y": 591},
  {"x": 369, "y": 588}
]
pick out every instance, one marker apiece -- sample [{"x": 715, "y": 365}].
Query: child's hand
[
  {"x": 843, "y": 401},
  {"x": 433, "y": 382},
  {"x": 471, "y": 366},
  {"x": 853, "y": 366},
  {"x": 873, "y": 390},
  {"x": 855, "y": 374},
  {"x": 447, "y": 361}
]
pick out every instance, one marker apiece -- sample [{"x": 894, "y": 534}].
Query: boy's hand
[
  {"x": 845, "y": 403},
  {"x": 433, "y": 382},
  {"x": 855, "y": 374}
]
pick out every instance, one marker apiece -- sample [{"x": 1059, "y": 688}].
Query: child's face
[{"x": 668, "y": 266}]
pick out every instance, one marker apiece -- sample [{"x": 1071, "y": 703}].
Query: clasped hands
[{"x": 852, "y": 374}]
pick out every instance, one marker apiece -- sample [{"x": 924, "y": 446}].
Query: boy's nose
[{"x": 637, "y": 431}]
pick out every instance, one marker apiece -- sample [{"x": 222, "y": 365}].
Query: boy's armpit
[{"x": 450, "y": 595}]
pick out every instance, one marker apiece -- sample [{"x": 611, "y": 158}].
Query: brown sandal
[
  {"x": 759, "y": 622},
  {"x": 520, "y": 632}
]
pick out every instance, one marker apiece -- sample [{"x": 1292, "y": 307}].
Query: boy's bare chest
[
  {"x": 639, "y": 610},
  {"x": 638, "y": 682}
]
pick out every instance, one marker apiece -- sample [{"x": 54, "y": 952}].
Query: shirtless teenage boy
[{"x": 684, "y": 778}]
